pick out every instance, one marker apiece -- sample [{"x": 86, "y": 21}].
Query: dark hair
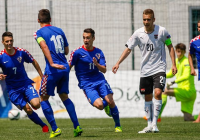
[
  {"x": 44, "y": 16},
  {"x": 180, "y": 46},
  {"x": 7, "y": 34},
  {"x": 89, "y": 30},
  {"x": 148, "y": 12},
  {"x": 198, "y": 21}
]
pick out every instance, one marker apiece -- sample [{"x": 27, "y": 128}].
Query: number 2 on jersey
[
  {"x": 59, "y": 43},
  {"x": 149, "y": 47}
]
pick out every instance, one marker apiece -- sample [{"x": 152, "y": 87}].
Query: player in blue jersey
[
  {"x": 54, "y": 45},
  {"x": 19, "y": 86},
  {"x": 90, "y": 65},
  {"x": 195, "y": 50}
]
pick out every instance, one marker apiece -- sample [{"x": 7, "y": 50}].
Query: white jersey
[{"x": 152, "y": 48}]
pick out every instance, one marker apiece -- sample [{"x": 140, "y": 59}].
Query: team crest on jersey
[
  {"x": 97, "y": 55},
  {"x": 19, "y": 59},
  {"x": 156, "y": 36}
]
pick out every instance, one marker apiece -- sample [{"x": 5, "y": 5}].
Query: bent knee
[
  {"x": 36, "y": 106},
  {"x": 99, "y": 106},
  {"x": 111, "y": 102}
]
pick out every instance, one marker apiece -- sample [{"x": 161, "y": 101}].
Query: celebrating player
[
  {"x": 194, "y": 50},
  {"x": 19, "y": 86},
  {"x": 54, "y": 45},
  {"x": 185, "y": 92},
  {"x": 151, "y": 39},
  {"x": 90, "y": 63}
]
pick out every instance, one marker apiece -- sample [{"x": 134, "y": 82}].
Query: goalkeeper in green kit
[{"x": 185, "y": 92}]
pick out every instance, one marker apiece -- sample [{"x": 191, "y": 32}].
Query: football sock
[
  {"x": 156, "y": 111},
  {"x": 104, "y": 103},
  {"x": 164, "y": 102},
  {"x": 48, "y": 113},
  {"x": 34, "y": 117},
  {"x": 115, "y": 115},
  {"x": 71, "y": 111},
  {"x": 148, "y": 112}
]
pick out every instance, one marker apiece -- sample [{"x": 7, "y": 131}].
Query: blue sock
[
  {"x": 104, "y": 103},
  {"x": 71, "y": 111},
  {"x": 34, "y": 117},
  {"x": 48, "y": 113},
  {"x": 115, "y": 115}
]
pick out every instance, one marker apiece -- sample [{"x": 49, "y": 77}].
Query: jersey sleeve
[
  {"x": 133, "y": 41},
  {"x": 166, "y": 37},
  {"x": 102, "y": 60},
  {"x": 28, "y": 58},
  {"x": 169, "y": 74},
  {"x": 73, "y": 58},
  {"x": 191, "y": 48},
  {"x": 38, "y": 36}
]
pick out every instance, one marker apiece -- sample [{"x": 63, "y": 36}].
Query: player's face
[
  {"x": 88, "y": 40},
  {"x": 8, "y": 42},
  {"x": 148, "y": 21},
  {"x": 180, "y": 53},
  {"x": 198, "y": 27}
]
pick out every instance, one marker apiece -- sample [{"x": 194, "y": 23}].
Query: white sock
[
  {"x": 156, "y": 111},
  {"x": 148, "y": 112}
]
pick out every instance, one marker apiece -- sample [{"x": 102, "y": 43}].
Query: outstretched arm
[
  {"x": 193, "y": 72},
  {"x": 172, "y": 55},
  {"x": 37, "y": 67},
  {"x": 125, "y": 53},
  {"x": 47, "y": 54}
]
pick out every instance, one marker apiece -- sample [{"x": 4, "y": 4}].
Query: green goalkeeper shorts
[{"x": 186, "y": 97}]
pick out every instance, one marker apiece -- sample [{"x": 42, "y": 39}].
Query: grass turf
[{"x": 171, "y": 128}]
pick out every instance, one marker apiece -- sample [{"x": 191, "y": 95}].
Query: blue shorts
[
  {"x": 19, "y": 97},
  {"x": 50, "y": 81},
  {"x": 97, "y": 91}
]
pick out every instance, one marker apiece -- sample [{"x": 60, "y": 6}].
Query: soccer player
[
  {"x": 54, "y": 45},
  {"x": 90, "y": 64},
  {"x": 151, "y": 40},
  {"x": 20, "y": 89},
  {"x": 185, "y": 92},
  {"x": 194, "y": 50}
]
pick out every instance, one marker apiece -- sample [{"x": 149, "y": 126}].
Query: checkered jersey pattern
[
  {"x": 24, "y": 50},
  {"x": 72, "y": 53},
  {"x": 43, "y": 91}
]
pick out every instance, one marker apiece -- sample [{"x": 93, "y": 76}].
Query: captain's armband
[
  {"x": 168, "y": 42},
  {"x": 39, "y": 39}
]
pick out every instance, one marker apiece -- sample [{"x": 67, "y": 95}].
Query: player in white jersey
[{"x": 151, "y": 39}]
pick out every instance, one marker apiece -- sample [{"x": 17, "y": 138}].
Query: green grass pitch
[{"x": 171, "y": 128}]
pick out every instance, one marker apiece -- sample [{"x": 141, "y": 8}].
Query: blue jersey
[
  {"x": 13, "y": 67},
  {"x": 86, "y": 72},
  {"x": 195, "y": 50},
  {"x": 56, "y": 41}
]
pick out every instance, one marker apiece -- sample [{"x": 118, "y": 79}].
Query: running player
[
  {"x": 185, "y": 92},
  {"x": 19, "y": 86},
  {"x": 194, "y": 50},
  {"x": 151, "y": 39},
  {"x": 54, "y": 45},
  {"x": 90, "y": 64}
]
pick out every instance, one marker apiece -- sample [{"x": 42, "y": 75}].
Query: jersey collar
[
  {"x": 12, "y": 54},
  {"x": 47, "y": 25},
  {"x": 88, "y": 50}
]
